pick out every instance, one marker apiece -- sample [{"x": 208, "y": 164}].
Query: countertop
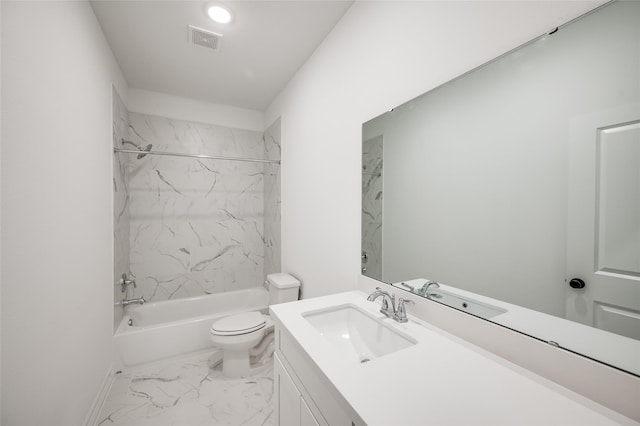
[{"x": 441, "y": 380}]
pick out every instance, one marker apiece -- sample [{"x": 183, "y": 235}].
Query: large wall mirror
[{"x": 516, "y": 188}]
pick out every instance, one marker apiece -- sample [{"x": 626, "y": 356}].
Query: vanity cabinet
[
  {"x": 291, "y": 407},
  {"x": 303, "y": 396}
]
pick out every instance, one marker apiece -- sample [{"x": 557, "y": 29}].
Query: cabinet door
[
  {"x": 306, "y": 417},
  {"x": 287, "y": 397}
]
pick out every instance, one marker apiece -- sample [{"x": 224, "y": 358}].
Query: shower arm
[{"x": 132, "y": 144}]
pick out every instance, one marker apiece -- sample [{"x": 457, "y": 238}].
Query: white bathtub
[{"x": 175, "y": 327}]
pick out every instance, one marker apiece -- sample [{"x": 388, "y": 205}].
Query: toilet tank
[{"x": 282, "y": 288}]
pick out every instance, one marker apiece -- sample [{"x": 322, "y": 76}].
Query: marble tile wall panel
[
  {"x": 196, "y": 225},
  {"x": 372, "y": 191},
  {"x": 120, "y": 117},
  {"x": 272, "y": 144}
]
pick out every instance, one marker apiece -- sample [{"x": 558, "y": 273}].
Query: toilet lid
[{"x": 238, "y": 324}]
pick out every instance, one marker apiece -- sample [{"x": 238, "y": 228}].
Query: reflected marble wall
[
  {"x": 120, "y": 117},
  {"x": 272, "y": 139},
  {"x": 372, "y": 191},
  {"x": 197, "y": 226}
]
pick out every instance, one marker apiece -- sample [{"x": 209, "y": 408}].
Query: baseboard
[{"x": 98, "y": 402}]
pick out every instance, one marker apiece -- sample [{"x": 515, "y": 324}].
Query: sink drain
[{"x": 365, "y": 359}]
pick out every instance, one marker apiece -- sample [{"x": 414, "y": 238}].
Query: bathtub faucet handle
[{"x": 124, "y": 282}]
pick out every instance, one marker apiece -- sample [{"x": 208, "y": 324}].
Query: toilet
[{"x": 236, "y": 334}]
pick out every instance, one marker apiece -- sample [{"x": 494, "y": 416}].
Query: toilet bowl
[{"x": 236, "y": 334}]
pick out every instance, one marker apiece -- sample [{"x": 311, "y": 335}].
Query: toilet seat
[{"x": 239, "y": 324}]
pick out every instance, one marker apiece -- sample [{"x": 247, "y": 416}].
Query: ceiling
[{"x": 261, "y": 49}]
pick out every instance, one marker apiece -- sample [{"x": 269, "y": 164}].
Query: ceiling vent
[{"x": 205, "y": 38}]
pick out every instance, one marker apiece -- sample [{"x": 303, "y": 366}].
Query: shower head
[
  {"x": 145, "y": 150},
  {"x": 139, "y": 148}
]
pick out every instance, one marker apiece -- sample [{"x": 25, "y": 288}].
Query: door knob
[{"x": 577, "y": 283}]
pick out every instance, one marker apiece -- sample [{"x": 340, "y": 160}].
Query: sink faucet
[
  {"x": 399, "y": 314},
  {"x": 424, "y": 290},
  {"x": 139, "y": 301},
  {"x": 389, "y": 311}
]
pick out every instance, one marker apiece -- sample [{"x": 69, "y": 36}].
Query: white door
[{"x": 603, "y": 244}]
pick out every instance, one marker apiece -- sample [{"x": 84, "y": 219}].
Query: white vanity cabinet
[
  {"x": 291, "y": 407},
  {"x": 303, "y": 396},
  {"x": 320, "y": 380}
]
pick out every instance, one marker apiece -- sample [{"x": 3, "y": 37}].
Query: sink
[
  {"x": 473, "y": 307},
  {"x": 356, "y": 334}
]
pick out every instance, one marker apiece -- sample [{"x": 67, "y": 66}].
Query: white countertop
[{"x": 441, "y": 380}]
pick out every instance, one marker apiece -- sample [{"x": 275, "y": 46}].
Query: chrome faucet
[
  {"x": 139, "y": 301},
  {"x": 389, "y": 311},
  {"x": 424, "y": 290},
  {"x": 399, "y": 314}
]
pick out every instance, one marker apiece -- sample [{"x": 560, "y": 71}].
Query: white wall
[
  {"x": 170, "y": 106},
  {"x": 57, "y": 225},
  {"x": 380, "y": 55}
]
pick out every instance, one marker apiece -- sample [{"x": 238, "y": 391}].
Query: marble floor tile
[{"x": 186, "y": 391}]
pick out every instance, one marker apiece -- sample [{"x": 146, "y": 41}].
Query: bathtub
[{"x": 171, "y": 328}]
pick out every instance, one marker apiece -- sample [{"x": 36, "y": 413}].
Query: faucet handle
[
  {"x": 401, "y": 311},
  {"x": 124, "y": 282}
]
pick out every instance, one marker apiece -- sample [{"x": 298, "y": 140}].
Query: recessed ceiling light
[{"x": 219, "y": 13}]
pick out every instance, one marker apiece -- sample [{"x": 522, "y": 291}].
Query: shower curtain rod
[{"x": 180, "y": 154}]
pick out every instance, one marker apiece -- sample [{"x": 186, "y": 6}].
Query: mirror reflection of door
[
  {"x": 603, "y": 245},
  {"x": 372, "y": 189}
]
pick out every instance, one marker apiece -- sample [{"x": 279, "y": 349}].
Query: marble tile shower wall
[
  {"x": 372, "y": 196},
  {"x": 196, "y": 225},
  {"x": 272, "y": 199},
  {"x": 120, "y": 117}
]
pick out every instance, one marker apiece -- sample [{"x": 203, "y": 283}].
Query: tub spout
[{"x": 139, "y": 301}]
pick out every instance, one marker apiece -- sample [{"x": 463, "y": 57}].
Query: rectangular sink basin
[
  {"x": 356, "y": 334},
  {"x": 473, "y": 307}
]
